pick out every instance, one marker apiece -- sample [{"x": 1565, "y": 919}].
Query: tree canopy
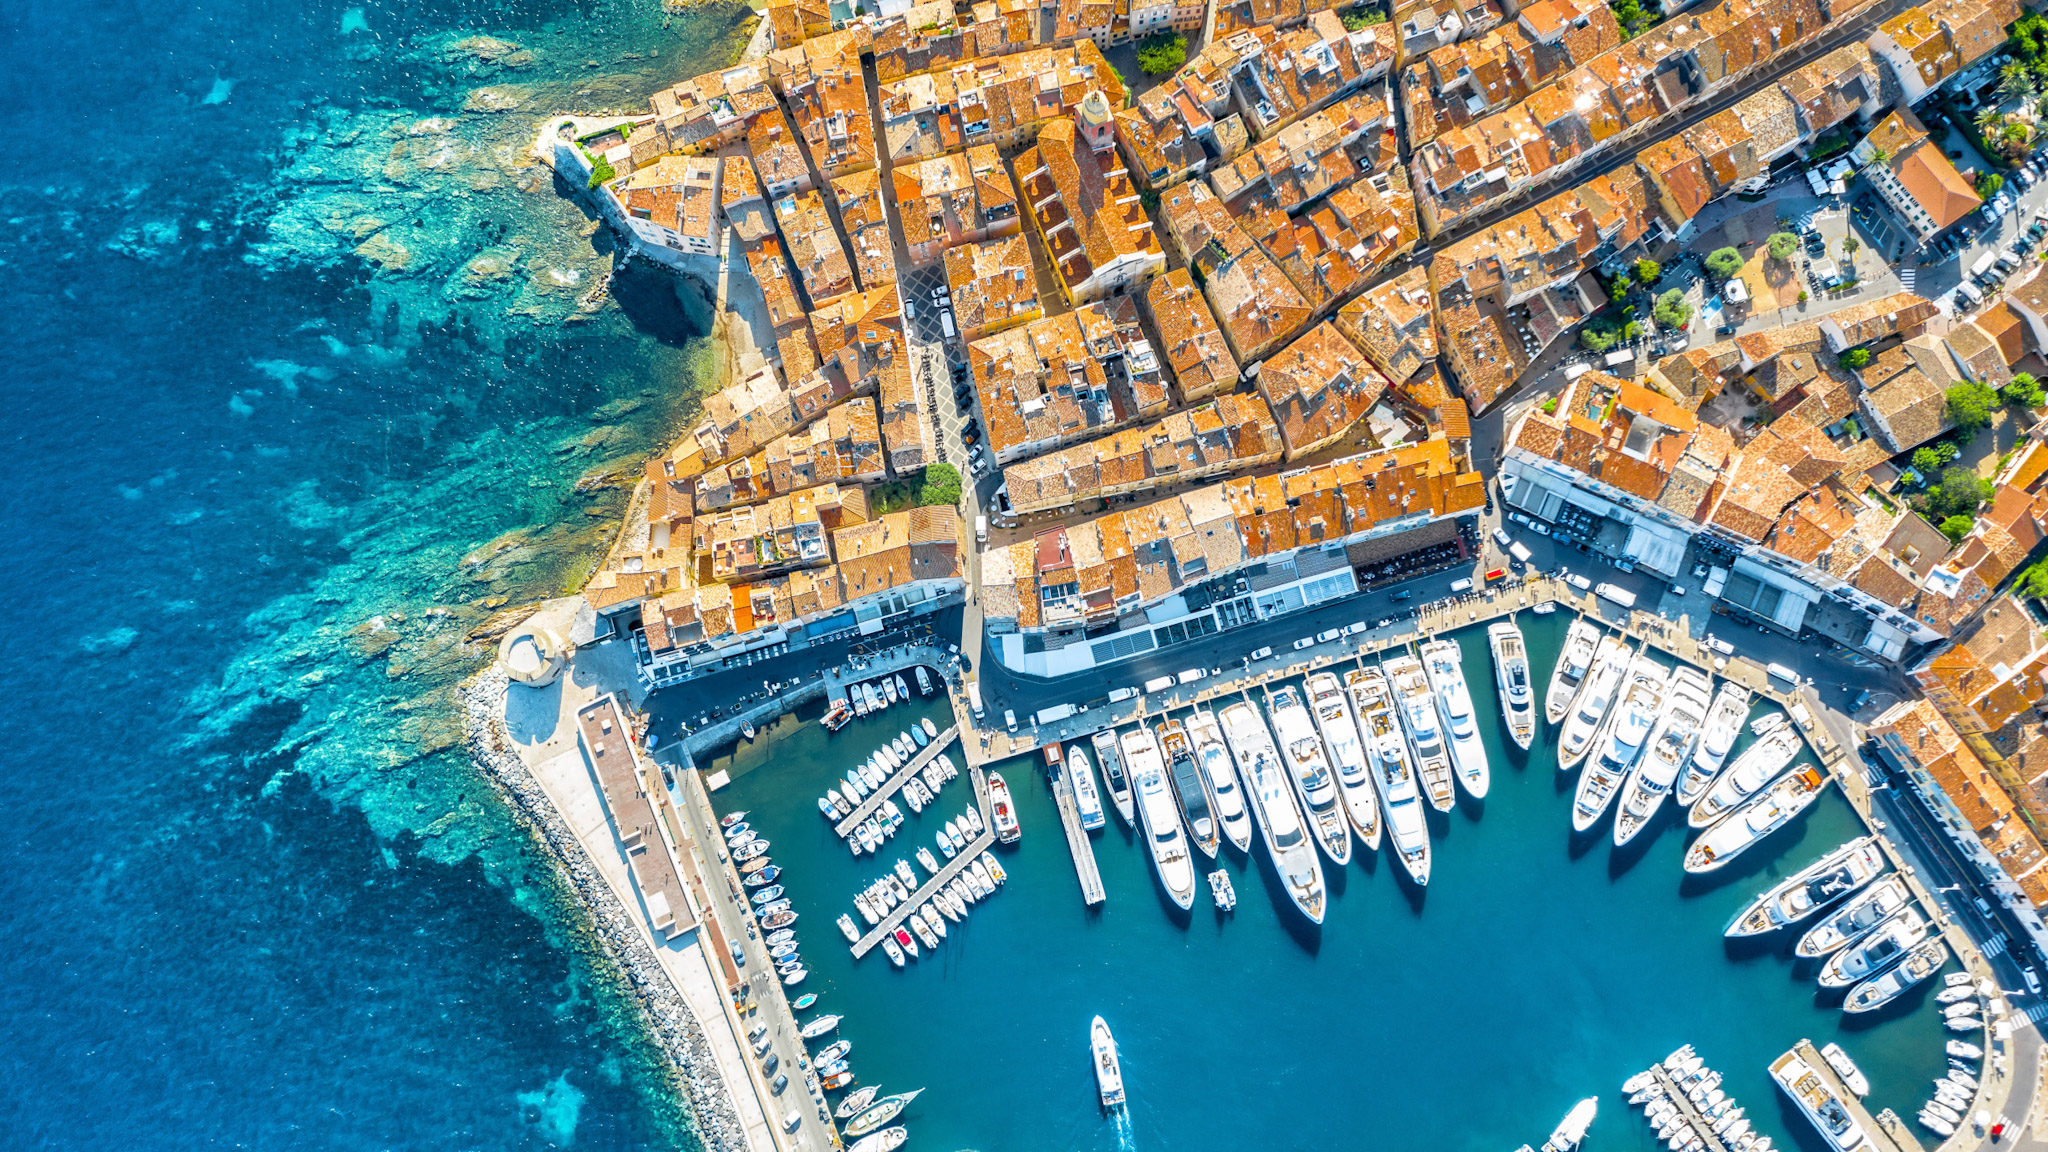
[
  {"x": 1970, "y": 405},
  {"x": 941, "y": 486},
  {"x": 1672, "y": 310},
  {"x": 1988, "y": 184},
  {"x": 1783, "y": 244},
  {"x": 1854, "y": 358},
  {"x": 1647, "y": 271},
  {"x": 1724, "y": 262},
  {"x": 2023, "y": 392},
  {"x": 1158, "y": 55}
]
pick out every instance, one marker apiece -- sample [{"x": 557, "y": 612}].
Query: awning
[
  {"x": 1653, "y": 546},
  {"x": 1885, "y": 640}
]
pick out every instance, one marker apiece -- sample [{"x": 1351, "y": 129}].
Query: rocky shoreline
[{"x": 667, "y": 1020}]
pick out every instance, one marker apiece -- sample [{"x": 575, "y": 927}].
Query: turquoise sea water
[
  {"x": 303, "y": 373},
  {"x": 1533, "y": 972}
]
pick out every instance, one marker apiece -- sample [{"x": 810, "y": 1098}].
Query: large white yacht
[
  {"x": 1392, "y": 774},
  {"x": 1445, "y": 663},
  {"x": 1856, "y": 919},
  {"x": 1717, "y": 739},
  {"x": 1302, "y": 751},
  {"x": 1081, "y": 780},
  {"x": 1595, "y": 697},
  {"x": 1811, "y": 889},
  {"x": 1815, "y": 1098},
  {"x": 1884, "y": 947},
  {"x": 1621, "y": 741},
  {"x": 1231, "y": 814},
  {"x": 1574, "y": 660},
  {"x": 1196, "y": 804},
  {"x": 1511, "y": 677},
  {"x": 1755, "y": 818},
  {"x": 1656, "y": 771},
  {"x": 1109, "y": 754},
  {"x": 1158, "y": 818},
  {"x": 1265, "y": 780},
  {"x": 1415, "y": 704},
  {"x": 1758, "y": 765},
  {"x": 1347, "y": 756},
  {"x": 1109, "y": 1071}
]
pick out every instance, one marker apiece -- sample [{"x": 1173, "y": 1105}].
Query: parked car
[
  {"x": 1501, "y": 537},
  {"x": 1725, "y": 330},
  {"x": 1304, "y": 642},
  {"x": 1260, "y": 653}
]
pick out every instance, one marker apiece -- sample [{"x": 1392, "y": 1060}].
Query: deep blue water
[{"x": 256, "y": 492}]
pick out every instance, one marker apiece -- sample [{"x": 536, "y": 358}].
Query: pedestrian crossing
[
  {"x": 1996, "y": 945},
  {"x": 1906, "y": 278},
  {"x": 2035, "y": 1014}
]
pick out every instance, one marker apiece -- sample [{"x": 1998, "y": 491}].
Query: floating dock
[
  {"x": 1884, "y": 1137},
  {"x": 946, "y": 872},
  {"x": 1690, "y": 1114},
  {"x": 894, "y": 783},
  {"x": 1082, "y": 848}
]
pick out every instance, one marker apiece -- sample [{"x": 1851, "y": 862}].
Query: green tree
[
  {"x": 1957, "y": 527},
  {"x": 2023, "y": 392},
  {"x": 601, "y": 172},
  {"x": 1960, "y": 493},
  {"x": 1782, "y": 245},
  {"x": 1724, "y": 263},
  {"x": 1854, "y": 358},
  {"x": 1970, "y": 405},
  {"x": 1596, "y": 339},
  {"x": 1631, "y": 330},
  {"x": 941, "y": 486},
  {"x": 1364, "y": 17},
  {"x": 1647, "y": 271},
  {"x": 2033, "y": 583},
  {"x": 1550, "y": 406},
  {"x": 1926, "y": 461},
  {"x": 1617, "y": 288},
  {"x": 1158, "y": 55},
  {"x": 1672, "y": 311},
  {"x": 1988, "y": 184}
]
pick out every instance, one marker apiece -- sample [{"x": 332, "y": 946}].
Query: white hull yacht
[
  {"x": 1511, "y": 676},
  {"x": 1301, "y": 750},
  {"x": 1340, "y": 738},
  {"x": 1415, "y": 704},
  {"x": 1621, "y": 741},
  {"x": 1717, "y": 739},
  {"x": 1392, "y": 773},
  {"x": 1197, "y": 806},
  {"x": 1756, "y": 818},
  {"x": 1856, "y": 919},
  {"x": 1231, "y": 813},
  {"x": 1158, "y": 819},
  {"x": 1822, "y": 1107},
  {"x": 1081, "y": 781},
  {"x": 1595, "y": 698},
  {"x": 1110, "y": 756},
  {"x": 1883, "y": 948},
  {"x": 1656, "y": 772},
  {"x": 1834, "y": 876},
  {"x": 1574, "y": 660},
  {"x": 1758, "y": 765},
  {"x": 1280, "y": 823},
  {"x": 1444, "y": 661}
]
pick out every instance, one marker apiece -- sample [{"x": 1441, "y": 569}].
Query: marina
[
  {"x": 873, "y": 801},
  {"x": 948, "y": 871},
  {"x": 1078, "y": 845}
]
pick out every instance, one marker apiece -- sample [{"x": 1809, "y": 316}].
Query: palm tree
[{"x": 1986, "y": 119}]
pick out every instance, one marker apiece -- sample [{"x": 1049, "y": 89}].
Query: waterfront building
[
  {"x": 708, "y": 112},
  {"x": 740, "y": 200},
  {"x": 672, "y": 203}
]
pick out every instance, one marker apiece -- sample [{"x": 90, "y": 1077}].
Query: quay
[
  {"x": 893, "y": 784},
  {"x": 1892, "y": 1137},
  {"x": 946, "y": 872},
  {"x": 1676, "y": 1095},
  {"x": 1082, "y": 848}
]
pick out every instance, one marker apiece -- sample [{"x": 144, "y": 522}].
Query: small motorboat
[
  {"x": 1958, "y": 979},
  {"x": 750, "y": 849},
  {"x": 930, "y": 729},
  {"x": 780, "y": 918},
  {"x": 904, "y": 874},
  {"x": 848, "y": 929},
  {"x": 736, "y": 830},
  {"x": 793, "y": 978},
  {"x": 892, "y": 950},
  {"x": 833, "y": 1051},
  {"x": 747, "y": 729},
  {"x": 924, "y": 682},
  {"x": 1966, "y": 1008},
  {"x": 1935, "y": 1124},
  {"x": 1953, "y": 993},
  {"x": 856, "y": 1102},
  {"x": 805, "y": 1001},
  {"x": 757, "y": 864},
  {"x": 1964, "y": 1050},
  {"x": 1845, "y": 1068},
  {"x": 918, "y": 734},
  {"x": 836, "y": 1082},
  {"x": 730, "y": 819},
  {"x": 932, "y": 919},
  {"x": 779, "y": 937},
  {"x": 1572, "y": 1130},
  {"x": 1964, "y": 1024},
  {"x": 1221, "y": 891},
  {"x": 786, "y": 948},
  {"x": 995, "y": 870},
  {"x": 905, "y": 942},
  {"x": 902, "y": 688},
  {"x": 768, "y": 895},
  {"x": 888, "y": 689},
  {"x": 765, "y": 874},
  {"x": 826, "y": 807},
  {"x": 887, "y": 1140}
]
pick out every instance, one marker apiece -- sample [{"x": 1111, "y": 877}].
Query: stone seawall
[{"x": 665, "y": 1017}]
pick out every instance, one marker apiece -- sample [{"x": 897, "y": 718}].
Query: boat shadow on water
[
  {"x": 1764, "y": 856},
  {"x": 1905, "y": 1004},
  {"x": 1303, "y": 931}
]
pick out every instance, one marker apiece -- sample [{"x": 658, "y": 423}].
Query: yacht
[
  {"x": 1581, "y": 640},
  {"x": 1302, "y": 752},
  {"x": 1109, "y": 1073},
  {"x": 1572, "y": 1130},
  {"x": 1758, "y": 765},
  {"x": 1656, "y": 771},
  {"x": 1215, "y": 760},
  {"x": 1347, "y": 755},
  {"x": 1885, "y": 946},
  {"x": 1188, "y": 784},
  {"x": 1511, "y": 675},
  {"x": 1717, "y": 738},
  {"x": 1589, "y": 708},
  {"x": 1002, "y": 810},
  {"x": 1445, "y": 663},
  {"x": 1416, "y": 705},
  {"x": 1811, "y": 889},
  {"x": 1816, "y": 1098},
  {"x": 1923, "y": 961},
  {"x": 1755, "y": 819},
  {"x": 1081, "y": 780},
  {"x": 1258, "y": 764},
  {"x": 880, "y": 1112},
  {"x": 1855, "y": 920},
  {"x": 1157, "y": 818},
  {"x": 1110, "y": 756},
  {"x": 1621, "y": 740},
  {"x": 1392, "y": 773}
]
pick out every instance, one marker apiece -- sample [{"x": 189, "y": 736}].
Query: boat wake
[{"x": 1126, "y": 1139}]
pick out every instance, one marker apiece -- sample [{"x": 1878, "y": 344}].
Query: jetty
[
  {"x": 1686, "y": 1111},
  {"x": 895, "y": 782},
  {"x": 1892, "y": 1137},
  {"x": 1082, "y": 848},
  {"x": 939, "y": 879}
]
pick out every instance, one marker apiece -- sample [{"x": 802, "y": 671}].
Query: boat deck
[
  {"x": 946, "y": 872},
  {"x": 1083, "y": 849},
  {"x": 895, "y": 782},
  {"x": 1885, "y": 1137}
]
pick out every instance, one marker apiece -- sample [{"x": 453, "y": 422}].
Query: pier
[
  {"x": 1883, "y": 1137},
  {"x": 947, "y": 871},
  {"x": 1082, "y": 848},
  {"x": 1690, "y": 1114},
  {"x": 894, "y": 783}
]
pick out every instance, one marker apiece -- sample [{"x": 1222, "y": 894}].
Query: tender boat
[
  {"x": 1964, "y": 1050},
  {"x": 1717, "y": 738},
  {"x": 1110, "y": 756},
  {"x": 932, "y": 918},
  {"x": 1621, "y": 741},
  {"x": 1812, "y": 888},
  {"x": 1511, "y": 677},
  {"x": 1845, "y": 1068},
  {"x": 768, "y": 894},
  {"x": 766, "y": 874},
  {"x": 1416, "y": 706},
  {"x": 925, "y": 935},
  {"x": 1230, "y": 809},
  {"x": 1572, "y": 1130},
  {"x": 848, "y": 929},
  {"x": 1001, "y": 810},
  {"x": 1188, "y": 784},
  {"x": 879, "y": 1113},
  {"x": 1081, "y": 782},
  {"x": 731, "y": 818},
  {"x": 917, "y": 734},
  {"x": 1886, "y": 946},
  {"x": 1758, "y": 765},
  {"x": 906, "y": 942},
  {"x": 1656, "y": 771},
  {"x": 833, "y": 1052},
  {"x": 805, "y": 1001},
  {"x": 1574, "y": 660},
  {"x": 1757, "y": 818},
  {"x": 1221, "y": 891},
  {"x": 1444, "y": 661},
  {"x": 1810, "y": 1092},
  {"x": 924, "y": 688},
  {"x": 1339, "y": 730},
  {"x": 1280, "y": 824},
  {"x": 1157, "y": 817},
  {"x": 1393, "y": 775},
  {"x": 1589, "y": 708},
  {"x": 902, "y": 687},
  {"x": 1109, "y": 1073},
  {"x": 1923, "y": 961},
  {"x": 893, "y": 950},
  {"x": 1301, "y": 750},
  {"x": 794, "y": 977},
  {"x": 995, "y": 870}
]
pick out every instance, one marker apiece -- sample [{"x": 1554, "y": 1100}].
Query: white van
[
  {"x": 946, "y": 322},
  {"x": 1326, "y": 637},
  {"x": 1518, "y": 552},
  {"x": 1463, "y": 584},
  {"x": 1780, "y": 672},
  {"x": 981, "y": 529},
  {"x": 1304, "y": 642},
  {"x": 1010, "y": 719},
  {"x": 1616, "y": 593},
  {"x": 974, "y": 695},
  {"x": 1159, "y": 684},
  {"x": 1191, "y": 675},
  {"x": 1119, "y": 695}
]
